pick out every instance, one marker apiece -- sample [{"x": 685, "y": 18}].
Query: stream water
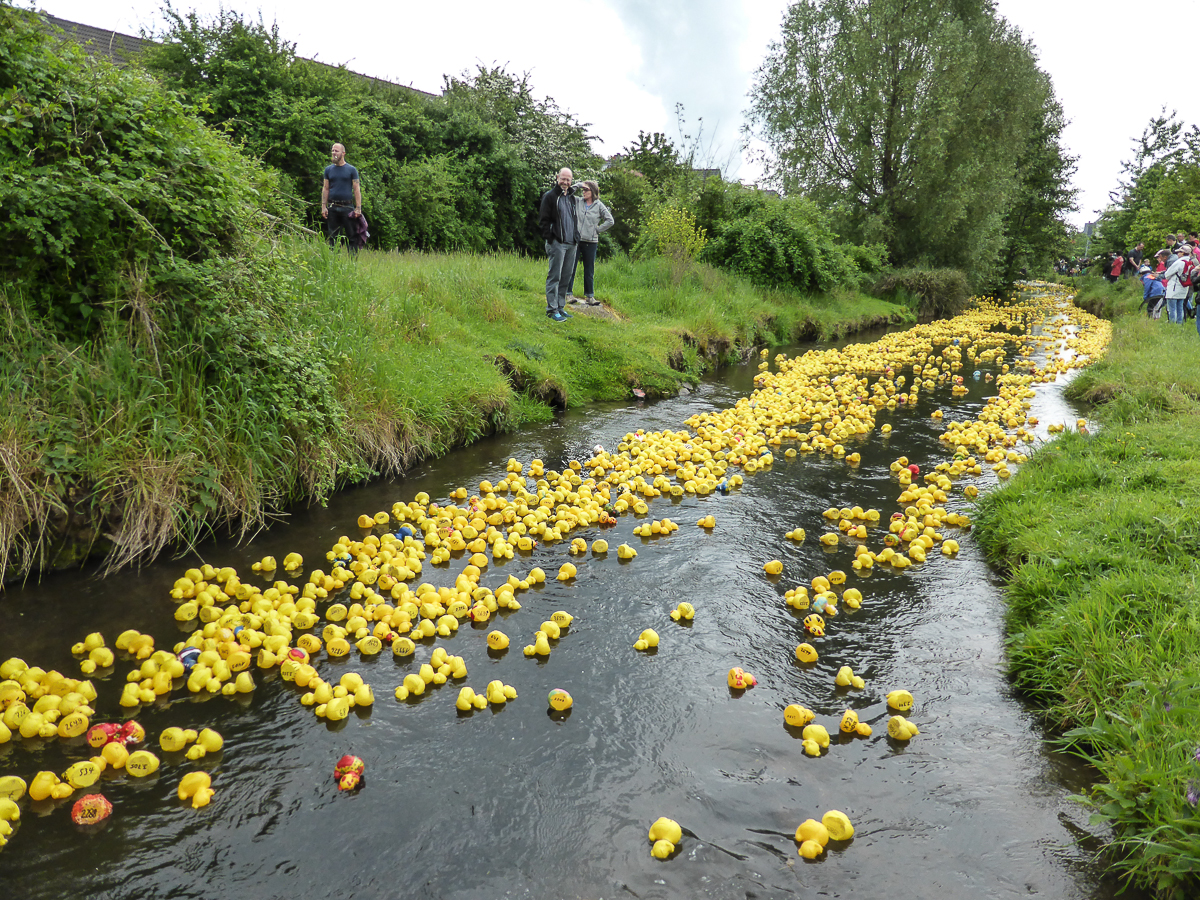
[{"x": 517, "y": 802}]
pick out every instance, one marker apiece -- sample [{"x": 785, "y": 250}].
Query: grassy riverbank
[
  {"x": 1101, "y": 537},
  {"x": 334, "y": 370}
]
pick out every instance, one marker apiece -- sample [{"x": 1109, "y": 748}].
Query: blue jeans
[
  {"x": 1175, "y": 310},
  {"x": 587, "y": 252},
  {"x": 562, "y": 271}
]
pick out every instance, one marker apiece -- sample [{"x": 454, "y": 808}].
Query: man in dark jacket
[{"x": 556, "y": 218}]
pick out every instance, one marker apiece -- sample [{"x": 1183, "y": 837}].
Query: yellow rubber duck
[
  {"x": 812, "y": 836},
  {"x": 774, "y": 567},
  {"x": 900, "y": 699},
  {"x": 815, "y": 732},
  {"x": 740, "y": 680},
  {"x": 814, "y": 625},
  {"x": 599, "y": 546},
  {"x": 707, "y": 522},
  {"x": 646, "y": 640},
  {"x": 901, "y": 729},
  {"x": 560, "y": 700},
  {"x": 806, "y": 653},
  {"x": 684, "y": 611},
  {"x": 667, "y": 830},
  {"x": 797, "y": 716},
  {"x": 624, "y": 551},
  {"x": 849, "y": 722},
  {"x": 567, "y": 571},
  {"x": 562, "y": 619},
  {"x": 196, "y": 786},
  {"x": 837, "y": 825},
  {"x": 141, "y": 763},
  {"x": 497, "y": 640}
]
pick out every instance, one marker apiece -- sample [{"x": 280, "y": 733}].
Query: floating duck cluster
[{"x": 372, "y": 597}]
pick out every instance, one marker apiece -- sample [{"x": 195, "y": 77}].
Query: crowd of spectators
[{"x": 1167, "y": 278}]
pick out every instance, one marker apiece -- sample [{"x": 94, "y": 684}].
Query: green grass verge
[
  {"x": 1100, "y": 535},
  {"x": 307, "y": 369}
]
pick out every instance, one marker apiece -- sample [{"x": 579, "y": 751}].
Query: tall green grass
[
  {"x": 1101, "y": 536},
  {"x": 317, "y": 369}
]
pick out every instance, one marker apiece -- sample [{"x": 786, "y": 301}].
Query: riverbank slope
[
  {"x": 119, "y": 447},
  {"x": 1099, "y": 535}
]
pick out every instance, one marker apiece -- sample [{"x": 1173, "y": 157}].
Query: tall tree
[
  {"x": 910, "y": 116},
  {"x": 1035, "y": 229},
  {"x": 1162, "y": 158}
]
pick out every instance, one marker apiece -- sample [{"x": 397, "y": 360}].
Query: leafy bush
[
  {"x": 110, "y": 188},
  {"x": 460, "y": 171},
  {"x": 932, "y": 293},
  {"x": 671, "y": 231},
  {"x": 781, "y": 243}
]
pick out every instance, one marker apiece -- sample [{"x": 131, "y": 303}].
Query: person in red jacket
[{"x": 1114, "y": 273}]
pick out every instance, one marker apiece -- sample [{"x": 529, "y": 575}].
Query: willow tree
[{"x": 908, "y": 117}]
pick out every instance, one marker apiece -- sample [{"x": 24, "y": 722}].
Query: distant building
[{"x": 124, "y": 48}]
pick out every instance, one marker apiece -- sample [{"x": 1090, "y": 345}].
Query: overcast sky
[{"x": 623, "y": 65}]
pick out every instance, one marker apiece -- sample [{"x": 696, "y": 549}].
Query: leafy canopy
[{"x": 910, "y": 117}]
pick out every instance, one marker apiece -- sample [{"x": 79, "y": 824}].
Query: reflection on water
[{"x": 516, "y": 802}]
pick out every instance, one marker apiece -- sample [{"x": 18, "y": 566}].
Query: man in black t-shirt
[{"x": 341, "y": 197}]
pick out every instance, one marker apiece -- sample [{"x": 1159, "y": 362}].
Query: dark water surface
[{"x": 515, "y": 802}]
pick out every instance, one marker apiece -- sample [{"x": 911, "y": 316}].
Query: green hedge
[{"x": 931, "y": 293}]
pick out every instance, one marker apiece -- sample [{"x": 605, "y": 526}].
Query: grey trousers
[{"x": 558, "y": 279}]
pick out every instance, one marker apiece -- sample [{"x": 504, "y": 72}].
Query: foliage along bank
[
  {"x": 1098, "y": 533},
  {"x": 176, "y": 359}
]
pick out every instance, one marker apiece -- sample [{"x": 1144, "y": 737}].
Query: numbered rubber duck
[
  {"x": 900, "y": 699},
  {"x": 849, "y": 723},
  {"x": 497, "y": 640},
  {"x": 560, "y": 700},
  {"x": 740, "y": 680},
  {"x": 806, "y": 653},
  {"x": 797, "y": 598},
  {"x": 562, "y": 619},
  {"x": 797, "y": 716}
]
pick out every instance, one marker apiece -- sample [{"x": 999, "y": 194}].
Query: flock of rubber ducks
[{"x": 368, "y": 595}]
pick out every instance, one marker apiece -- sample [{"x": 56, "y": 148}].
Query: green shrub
[
  {"x": 671, "y": 231},
  {"x": 781, "y": 243},
  {"x": 931, "y": 293},
  {"x": 110, "y": 188}
]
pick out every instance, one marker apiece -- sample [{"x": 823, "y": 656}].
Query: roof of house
[{"x": 122, "y": 48}]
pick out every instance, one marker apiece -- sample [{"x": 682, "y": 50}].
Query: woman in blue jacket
[
  {"x": 594, "y": 219},
  {"x": 1154, "y": 293}
]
